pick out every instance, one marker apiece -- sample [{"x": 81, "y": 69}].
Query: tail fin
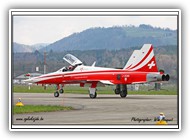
[{"x": 142, "y": 60}]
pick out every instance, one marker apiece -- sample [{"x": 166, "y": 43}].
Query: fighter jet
[{"x": 140, "y": 68}]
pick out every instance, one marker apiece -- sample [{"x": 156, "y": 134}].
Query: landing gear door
[{"x": 72, "y": 60}]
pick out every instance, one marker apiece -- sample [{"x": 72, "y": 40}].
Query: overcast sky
[{"x": 31, "y": 30}]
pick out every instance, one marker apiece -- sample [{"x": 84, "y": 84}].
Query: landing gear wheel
[
  {"x": 92, "y": 96},
  {"x": 123, "y": 93},
  {"x": 56, "y": 94},
  {"x": 61, "y": 91},
  {"x": 117, "y": 91}
]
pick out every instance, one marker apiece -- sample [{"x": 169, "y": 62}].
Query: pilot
[{"x": 70, "y": 67}]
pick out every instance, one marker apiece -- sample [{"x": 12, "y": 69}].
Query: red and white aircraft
[{"x": 141, "y": 68}]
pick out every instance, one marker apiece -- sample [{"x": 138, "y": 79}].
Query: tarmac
[{"x": 105, "y": 109}]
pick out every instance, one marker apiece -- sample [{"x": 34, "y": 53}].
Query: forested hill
[
  {"x": 21, "y": 48},
  {"x": 114, "y": 38}
]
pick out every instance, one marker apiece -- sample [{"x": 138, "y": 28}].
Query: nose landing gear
[{"x": 92, "y": 93}]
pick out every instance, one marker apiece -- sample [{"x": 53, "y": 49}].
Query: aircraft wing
[
  {"x": 101, "y": 83},
  {"x": 106, "y": 82}
]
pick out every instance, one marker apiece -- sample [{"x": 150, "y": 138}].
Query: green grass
[
  {"x": 144, "y": 90},
  {"x": 33, "y": 89},
  {"x": 39, "y": 108}
]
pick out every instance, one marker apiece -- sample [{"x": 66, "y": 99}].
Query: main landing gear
[
  {"x": 122, "y": 90},
  {"x": 58, "y": 91}
]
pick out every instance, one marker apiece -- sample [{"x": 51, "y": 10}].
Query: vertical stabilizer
[{"x": 142, "y": 60}]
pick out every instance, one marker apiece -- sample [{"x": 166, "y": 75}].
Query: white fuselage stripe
[{"x": 38, "y": 79}]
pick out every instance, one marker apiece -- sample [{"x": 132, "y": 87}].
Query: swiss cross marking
[{"x": 152, "y": 64}]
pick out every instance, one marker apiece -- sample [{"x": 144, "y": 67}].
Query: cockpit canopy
[{"x": 72, "y": 60}]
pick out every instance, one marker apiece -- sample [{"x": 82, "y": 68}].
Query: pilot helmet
[{"x": 70, "y": 67}]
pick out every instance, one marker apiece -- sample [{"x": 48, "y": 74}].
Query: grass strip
[
  {"x": 100, "y": 90},
  {"x": 39, "y": 108}
]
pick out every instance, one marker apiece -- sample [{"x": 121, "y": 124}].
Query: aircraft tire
[
  {"x": 56, "y": 94},
  {"x": 92, "y": 96},
  {"x": 123, "y": 93},
  {"x": 117, "y": 91},
  {"x": 61, "y": 91}
]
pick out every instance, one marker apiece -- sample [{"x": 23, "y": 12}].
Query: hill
[
  {"x": 17, "y": 47},
  {"x": 114, "y": 38},
  {"x": 21, "y": 48}
]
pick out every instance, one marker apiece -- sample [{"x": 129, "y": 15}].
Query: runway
[{"x": 105, "y": 109}]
